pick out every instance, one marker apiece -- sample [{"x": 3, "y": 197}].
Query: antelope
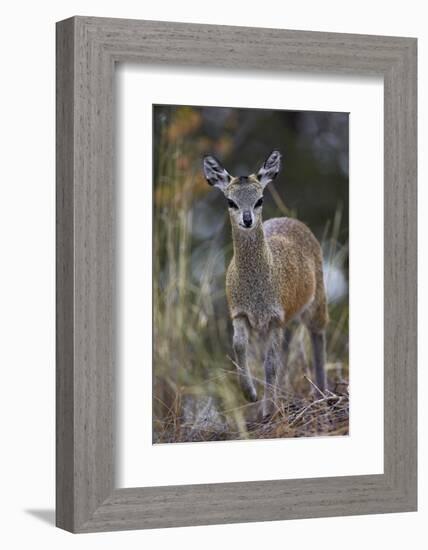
[{"x": 274, "y": 277}]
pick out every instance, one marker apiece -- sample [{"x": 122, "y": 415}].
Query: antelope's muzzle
[{"x": 247, "y": 218}]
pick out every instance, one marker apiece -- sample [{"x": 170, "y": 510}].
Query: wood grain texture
[
  {"x": 64, "y": 277},
  {"x": 87, "y": 49}
]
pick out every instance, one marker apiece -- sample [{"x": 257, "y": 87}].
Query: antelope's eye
[
  {"x": 259, "y": 203},
  {"x": 232, "y": 204}
]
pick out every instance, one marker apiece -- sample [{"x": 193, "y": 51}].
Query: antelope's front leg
[
  {"x": 240, "y": 347},
  {"x": 272, "y": 369}
]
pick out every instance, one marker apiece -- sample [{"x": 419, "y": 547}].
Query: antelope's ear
[
  {"x": 215, "y": 174},
  {"x": 270, "y": 168}
]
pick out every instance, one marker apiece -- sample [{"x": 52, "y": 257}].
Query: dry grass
[{"x": 314, "y": 414}]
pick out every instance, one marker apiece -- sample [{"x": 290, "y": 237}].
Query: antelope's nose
[{"x": 247, "y": 218}]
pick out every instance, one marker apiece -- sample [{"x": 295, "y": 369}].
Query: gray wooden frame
[{"x": 87, "y": 50}]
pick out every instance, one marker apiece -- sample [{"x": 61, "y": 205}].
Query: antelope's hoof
[
  {"x": 250, "y": 394},
  {"x": 267, "y": 410}
]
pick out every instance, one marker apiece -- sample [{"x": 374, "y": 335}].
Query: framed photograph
[{"x": 236, "y": 274}]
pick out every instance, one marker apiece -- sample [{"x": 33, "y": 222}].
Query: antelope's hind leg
[
  {"x": 319, "y": 359},
  {"x": 316, "y": 319},
  {"x": 240, "y": 347}
]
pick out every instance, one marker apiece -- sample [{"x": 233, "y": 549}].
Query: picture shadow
[{"x": 46, "y": 515}]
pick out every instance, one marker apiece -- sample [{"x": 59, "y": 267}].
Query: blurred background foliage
[{"x": 195, "y": 392}]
